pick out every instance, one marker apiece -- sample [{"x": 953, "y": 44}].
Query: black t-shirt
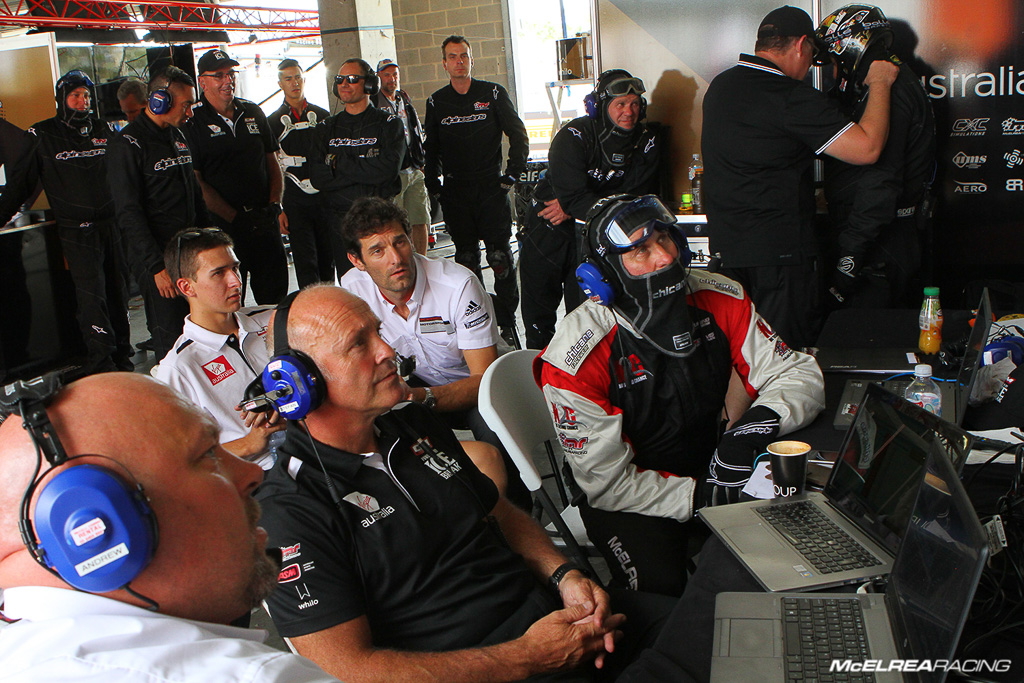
[
  {"x": 233, "y": 163},
  {"x": 410, "y": 548},
  {"x": 761, "y": 132}
]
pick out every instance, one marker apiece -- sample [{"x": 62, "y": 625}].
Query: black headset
[
  {"x": 96, "y": 530},
  {"x": 291, "y": 377},
  {"x": 371, "y": 81}
]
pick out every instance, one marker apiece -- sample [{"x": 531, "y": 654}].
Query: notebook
[
  {"x": 865, "y": 503},
  {"x": 765, "y": 637},
  {"x": 954, "y": 396}
]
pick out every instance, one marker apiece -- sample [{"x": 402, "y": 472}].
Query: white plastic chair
[{"x": 515, "y": 408}]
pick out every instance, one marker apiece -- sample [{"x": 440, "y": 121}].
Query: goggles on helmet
[
  {"x": 645, "y": 213},
  {"x": 624, "y": 86}
]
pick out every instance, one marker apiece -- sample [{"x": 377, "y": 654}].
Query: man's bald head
[{"x": 208, "y": 541}]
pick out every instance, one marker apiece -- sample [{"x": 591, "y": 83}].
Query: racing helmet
[
  {"x": 69, "y": 82},
  {"x": 851, "y": 32}
]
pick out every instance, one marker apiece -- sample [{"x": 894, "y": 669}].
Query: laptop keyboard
[
  {"x": 819, "y": 631},
  {"x": 825, "y": 546}
]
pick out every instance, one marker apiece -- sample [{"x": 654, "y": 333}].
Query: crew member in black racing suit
[
  {"x": 464, "y": 123},
  {"x": 156, "y": 195},
  {"x": 608, "y": 151},
  {"x": 309, "y": 230},
  {"x": 636, "y": 379},
  {"x": 68, "y": 154},
  {"x": 356, "y": 153},
  {"x": 874, "y": 209}
]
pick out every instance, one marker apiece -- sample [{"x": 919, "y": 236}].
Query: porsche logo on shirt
[{"x": 218, "y": 370}]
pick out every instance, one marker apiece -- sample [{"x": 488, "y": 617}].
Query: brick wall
[{"x": 421, "y": 25}]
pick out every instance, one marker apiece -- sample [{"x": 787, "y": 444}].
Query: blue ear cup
[
  {"x": 160, "y": 101},
  {"x": 594, "y": 284},
  {"x": 590, "y": 105},
  {"x": 1010, "y": 346},
  {"x": 95, "y": 529},
  {"x": 294, "y": 373}
]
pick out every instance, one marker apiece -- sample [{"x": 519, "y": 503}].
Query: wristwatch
[
  {"x": 563, "y": 569},
  {"x": 429, "y": 400}
]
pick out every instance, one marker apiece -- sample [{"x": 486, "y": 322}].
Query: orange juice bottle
[{"x": 930, "y": 322}]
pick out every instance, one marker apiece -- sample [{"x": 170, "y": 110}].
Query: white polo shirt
[
  {"x": 449, "y": 312},
  {"x": 205, "y": 367},
  {"x": 65, "y": 635}
]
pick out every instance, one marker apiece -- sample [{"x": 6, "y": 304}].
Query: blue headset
[
  {"x": 592, "y": 280},
  {"x": 291, "y": 375},
  {"x": 95, "y": 530},
  {"x": 1010, "y": 346},
  {"x": 160, "y": 101}
]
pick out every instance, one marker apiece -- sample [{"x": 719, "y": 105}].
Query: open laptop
[
  {"x": 954, "y": 395},
  {"x": 864, "y": 507},
  {"x": 765, "y": 637}
]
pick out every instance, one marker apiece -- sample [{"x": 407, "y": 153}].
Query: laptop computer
[
  {"x": 765, "y": 637},
  {"x": 851, "y": 530},
  {"x": 954, "y": 396}
]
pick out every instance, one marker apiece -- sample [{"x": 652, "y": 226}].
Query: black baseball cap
[
  {"x": 786, "y": 22},
  {"x": 215, "y": 59}
]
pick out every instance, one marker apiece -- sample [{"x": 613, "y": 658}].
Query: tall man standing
[
  {"x": 465, "y": 121},
  {"x": 357, "y": 152},
  {"x": 762, "y": 127},
  {"x": 235, "y": 157},
  {"x": 156, "y": 195},
  {"x": 303, "y": 217},
  {"x": 68, "y": 154},
  {"x": 413, "y": 196}
]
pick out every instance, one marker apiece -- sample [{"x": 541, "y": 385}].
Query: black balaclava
[
  {"x": 654, "y": 304},
  {"x": 617, "y": 144},
  {"x": 67, "y": 83}
]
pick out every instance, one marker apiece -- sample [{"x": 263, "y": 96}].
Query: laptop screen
[
  {"x": 874, "y": 481},
  {"x": 937, "y": 568},
  {"x": 972, "y": 355}
]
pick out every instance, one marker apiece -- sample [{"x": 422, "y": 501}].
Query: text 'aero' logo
[
  {"x": 962, "y": 160},
  {"x": 970, "y": 188},
  {"x": 968, "y": 128},
  {"x": 1012, "y": 126}
]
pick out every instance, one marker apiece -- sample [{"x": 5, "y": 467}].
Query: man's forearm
[
  {"x": 529, "y": 540},
  {"x": 875, "y": 120},
  {"x": 458, "y": 395}
]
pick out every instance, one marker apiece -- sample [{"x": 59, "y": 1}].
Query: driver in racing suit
[{"x": 637, "y": 378}]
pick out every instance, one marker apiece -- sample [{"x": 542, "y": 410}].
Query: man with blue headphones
[
  {"x": 140, "y": 546},
  {"x": 608, "y": 151},
  {"x": 637, "y": 378}
]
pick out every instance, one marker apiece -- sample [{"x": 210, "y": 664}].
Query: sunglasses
[
  {"x": 191, "y": 235},
  {"x": 351, "y": 78}
]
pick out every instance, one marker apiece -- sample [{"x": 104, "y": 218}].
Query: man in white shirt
[
  {"x": 435, "y": 311},
  {"x": 208, "y": 565},
  {"x": 221, "y": 349}
]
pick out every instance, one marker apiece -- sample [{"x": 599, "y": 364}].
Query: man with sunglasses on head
[
  {"x": 222, "y": 348},
  {"x": 357, "y": 152},
  {"x": 156, "y": 194},
  {"x": 763, "y": 125},
  {"x": 637, "y": 378},
  {"x": 608, "y": 151},
  {"x": 235, "y": 158}
]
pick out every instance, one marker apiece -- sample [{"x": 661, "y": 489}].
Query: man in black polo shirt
[
  {"x": 304, "y": 218},
  {"x": 401, "y": 560},
  {"x": 355, "y": 153},
  {"x": 149, "y": 166},
  {"x": 762, "y": 127},
  {"x": 234, "y": 154},
  {"x": 464, "y": 124}
]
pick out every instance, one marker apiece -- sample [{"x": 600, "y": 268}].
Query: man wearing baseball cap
[
  {"x": 763, "y": 125},
  {"x": 234, "y": 154},
  {"x": 413, "y": 196}
]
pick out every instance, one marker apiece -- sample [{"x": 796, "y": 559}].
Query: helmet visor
[
  {"x": 646, "y": 214},
  {"x": 625, "y": 86}
]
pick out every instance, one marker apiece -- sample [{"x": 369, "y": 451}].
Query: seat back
[{"x": 514, "y": 407}]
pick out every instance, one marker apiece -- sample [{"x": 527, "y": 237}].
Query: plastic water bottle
[
  {"x": 696, "y": 173},
  {"x": 930, "y": 322},
  {"x": 924, "y": 391}
]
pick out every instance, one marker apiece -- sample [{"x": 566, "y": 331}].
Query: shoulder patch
[
  {"x": 713, "y": 281},
  {"x": 577, "y": 335}
]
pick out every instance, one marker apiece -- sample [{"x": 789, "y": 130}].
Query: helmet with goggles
[
  {"x": 611, "y": 84},
  {"x": 850, "y": 33}
]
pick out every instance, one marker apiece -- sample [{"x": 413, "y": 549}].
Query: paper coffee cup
[{"x": 789, "y": 467}]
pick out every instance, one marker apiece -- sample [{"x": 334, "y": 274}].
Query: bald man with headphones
[{"x": 128, "y": 539}]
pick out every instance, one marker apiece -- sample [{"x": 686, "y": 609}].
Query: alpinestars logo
[
  {"x": 71, "y": 154},
  {"x": 454, "y": 120},
  {"x": 165, "y": 164},
  {"x": 962, "y": 160},
  {"x": 352, "y": 142}
]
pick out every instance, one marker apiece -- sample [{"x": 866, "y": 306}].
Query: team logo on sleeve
[
  {"x": 218, "y": 370},
  {"x": 565, "y": 418},
  {"x": 574, "y": 446}
]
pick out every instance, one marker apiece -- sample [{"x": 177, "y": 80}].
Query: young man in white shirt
[{"x": 221, "y": 349}]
